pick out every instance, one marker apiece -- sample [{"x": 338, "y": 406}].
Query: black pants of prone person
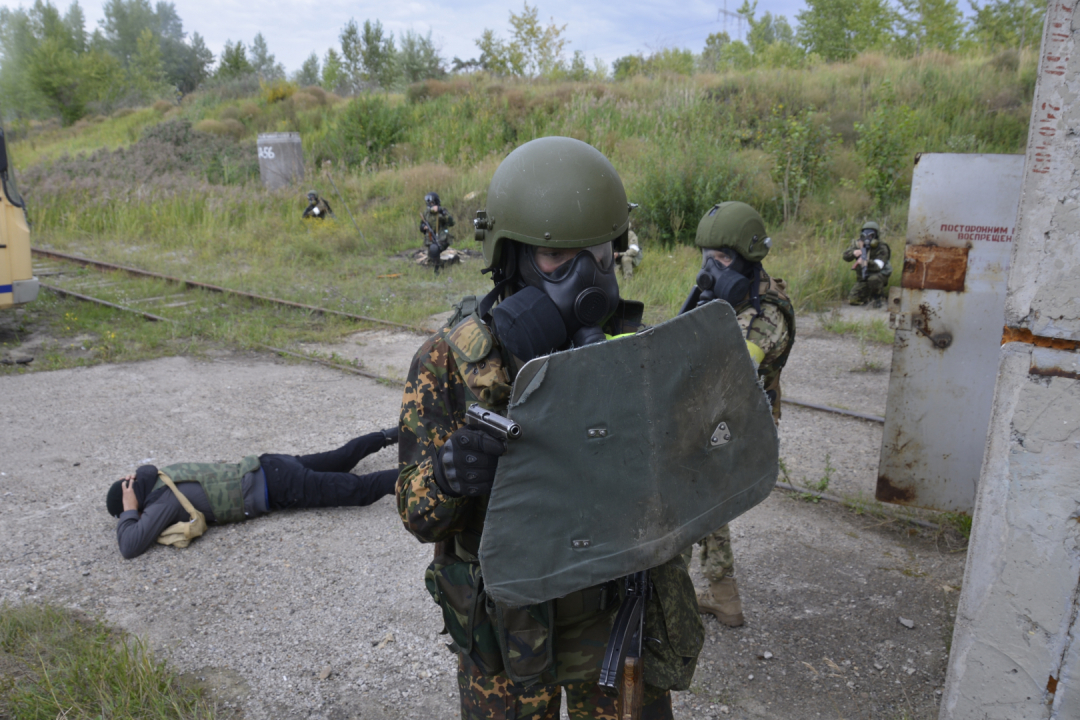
[{"x": 324, "y": 480}]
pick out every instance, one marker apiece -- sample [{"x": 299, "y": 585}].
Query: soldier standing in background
[
  {"x": 544, "y": 256},
  {"x": 870, "y": 257},
  {"x": 631, "y": 257},
  {"x": 733, "y": 243},
  {"x": 317, "y": 207},
  {"x": 434, "y": 224}
]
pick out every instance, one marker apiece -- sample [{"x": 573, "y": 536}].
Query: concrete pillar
[{"x": 1013, "y": 654}]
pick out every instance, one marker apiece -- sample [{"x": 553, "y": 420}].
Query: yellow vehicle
[{"x": 17, "y": 282}]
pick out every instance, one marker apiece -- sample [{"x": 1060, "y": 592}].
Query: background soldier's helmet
[
  {"x": 734, "y": 225},
  {"x": 432, "y": 199},
  {"x": 552, "y": 192},
  {"x": 871, "y": 225}
]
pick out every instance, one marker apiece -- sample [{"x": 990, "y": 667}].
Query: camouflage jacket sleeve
[
  {"x": 432, "y": 408},
  {"x": 770, "y": 331},
  {"x": 849, "y": 254}
]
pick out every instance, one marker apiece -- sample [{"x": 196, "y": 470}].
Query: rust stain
[
  {"x": 1023, "y": 335},
  {"x": 887, "y": 492},
  {"x": 1054, "y": 372},
  {"x": 1051, "y": 685},
  {"x": 929, "y": 267}
]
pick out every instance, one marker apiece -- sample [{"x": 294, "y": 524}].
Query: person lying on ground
[{"x": 147, "y": 507}]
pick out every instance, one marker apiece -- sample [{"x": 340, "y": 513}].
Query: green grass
[
  {"x": 49, "y": 142},
  {"x": 82, "y": 334},
  {"x": 875, "y": 330},
  {"x": 679, "y": 143},
  {"x": 58, "y": 664}
]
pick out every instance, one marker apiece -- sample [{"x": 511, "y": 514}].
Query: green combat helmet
[
  {"x": 734, "y": 225},
  {"x": 871, "y": 225},
  {"x": 552, "y": 192}
]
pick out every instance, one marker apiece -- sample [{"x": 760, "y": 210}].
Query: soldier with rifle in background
[
  {"x": 555, "y": 207},
  {"x": 317, "y": 207},
  {"x": 733, "y": 243},
  {"x": 869, "y": 256},
  {"x": 435, "y": 222}
]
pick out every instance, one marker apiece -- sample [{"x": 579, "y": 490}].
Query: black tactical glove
[{"x": 466, "y": 463}]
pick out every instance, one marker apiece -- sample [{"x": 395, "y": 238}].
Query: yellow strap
[
  {"x": 179, "y": 495},
  {"x": 756, "y": 353}
]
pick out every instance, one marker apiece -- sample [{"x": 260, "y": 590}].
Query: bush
[
  {"x": 163, "y": 106},
  {"x": 276, "y": 90},
  {"x": 249, "y": 111},
  {"x": 680, "y": 185},
  {"x": 365, "y": 130}
]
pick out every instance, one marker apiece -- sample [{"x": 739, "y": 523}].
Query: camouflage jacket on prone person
[
  {"x": 773, "y": 331},
  {"x": 556, "y": 642}
]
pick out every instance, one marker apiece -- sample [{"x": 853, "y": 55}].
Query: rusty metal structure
[{"x": 948, "y": 316}]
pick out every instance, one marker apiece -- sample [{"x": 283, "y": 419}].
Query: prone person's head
[{"x": 114, "y": 499}]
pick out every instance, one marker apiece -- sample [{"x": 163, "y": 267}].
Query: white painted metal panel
[{"x": 948, "y": 315}]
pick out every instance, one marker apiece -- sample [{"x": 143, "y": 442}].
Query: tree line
[{"x": 51, "y": 65}]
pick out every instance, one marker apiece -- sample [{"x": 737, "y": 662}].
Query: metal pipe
[
  {"x": 838, "y": 411},
  {"x": 219, "y": 289}
]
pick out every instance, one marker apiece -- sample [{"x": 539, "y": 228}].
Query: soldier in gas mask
[
  {"x": 434, "y": 224},
  {"x": 555, "y": 206},
  {"x": 869, "y": 256},
  {"x": 317, "y": 207},
  {"x": 733, "y": 243}
]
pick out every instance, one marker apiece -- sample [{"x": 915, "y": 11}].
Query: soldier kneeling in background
[
  {"x": 870, "y": 256},
  {"x": 317, "y": 207},
  {"x": 152, "y": 502}
]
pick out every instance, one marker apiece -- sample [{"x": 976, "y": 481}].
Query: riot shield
[{"x": 631, "y": 450}]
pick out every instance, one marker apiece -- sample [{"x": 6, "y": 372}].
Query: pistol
[{"x": 497, "y": 425}]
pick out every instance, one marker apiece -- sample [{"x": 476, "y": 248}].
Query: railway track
[
  {"x": 192, "y": 284},
  {"x": 181, "y": 299}
]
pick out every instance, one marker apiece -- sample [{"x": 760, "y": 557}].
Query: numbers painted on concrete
[{"x": 266, "y": 152}]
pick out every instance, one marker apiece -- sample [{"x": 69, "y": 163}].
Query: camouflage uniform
[
  {"x": 440, "y": 222},
  {"x": 774, "y": 333},
  {"x": 460, "y": 365},
  {"x": 877, "y": 281},
  {"x": 318, "y": 208}
]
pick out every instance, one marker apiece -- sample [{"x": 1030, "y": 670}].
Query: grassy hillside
[{"x": 175, "y": 188}]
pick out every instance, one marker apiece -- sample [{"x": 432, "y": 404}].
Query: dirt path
[{"x": 261, "y": 610}]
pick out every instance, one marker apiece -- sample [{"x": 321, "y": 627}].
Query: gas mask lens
[{"x": 555, "y": 263}]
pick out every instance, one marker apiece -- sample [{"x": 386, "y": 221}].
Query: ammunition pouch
[
  {"x": 519, "y": 641},
  {"x": 458, "y": 588},
  {"x": 674, "y": 633}
]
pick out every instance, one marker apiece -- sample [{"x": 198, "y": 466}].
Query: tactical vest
[{"x": 222, "y": 483}]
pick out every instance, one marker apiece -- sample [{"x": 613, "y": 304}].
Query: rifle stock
[{"x": 631, "y": 690}]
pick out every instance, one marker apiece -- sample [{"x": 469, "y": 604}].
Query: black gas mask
[
  {"x": 730, "y": 283},
  {"x": 571, "y": 302}
]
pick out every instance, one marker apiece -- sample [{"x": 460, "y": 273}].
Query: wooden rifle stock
[{"x": 631, "y": 690}]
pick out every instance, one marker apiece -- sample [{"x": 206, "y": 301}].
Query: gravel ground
[{"x": 323, "y": 614}]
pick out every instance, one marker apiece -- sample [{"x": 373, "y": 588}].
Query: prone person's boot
[{"x": 722, "y": 601}]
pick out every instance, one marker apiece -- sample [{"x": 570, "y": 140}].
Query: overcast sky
[{"x": 295, "y": 28}]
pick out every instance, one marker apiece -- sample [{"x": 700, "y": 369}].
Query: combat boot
[{"x": 722, "y": 601}]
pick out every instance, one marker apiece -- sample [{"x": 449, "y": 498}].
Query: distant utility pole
[{"x": 728, "y": 15}]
